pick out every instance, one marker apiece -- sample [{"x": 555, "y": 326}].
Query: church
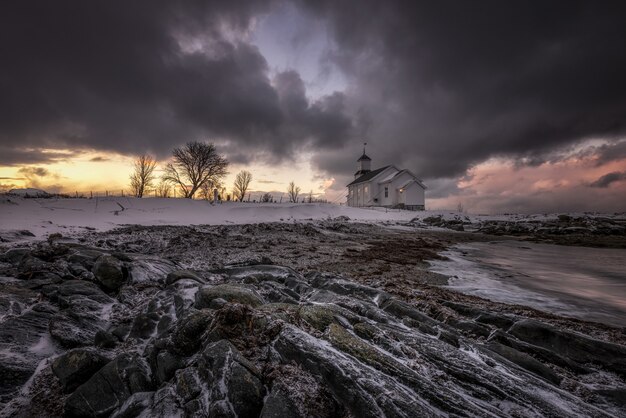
[{"x": 387, "y": 187}]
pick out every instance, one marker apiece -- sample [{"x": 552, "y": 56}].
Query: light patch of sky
[
  {"x": 98, "y": 172},
  {"x": 289, "y": 39}
]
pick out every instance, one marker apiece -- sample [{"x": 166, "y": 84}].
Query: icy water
[{"x": 586, "y": 283}]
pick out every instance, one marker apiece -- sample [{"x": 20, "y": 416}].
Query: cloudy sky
[{"x": 501, "y": 106}]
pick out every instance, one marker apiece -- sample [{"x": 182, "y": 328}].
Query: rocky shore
[
  {"x": 586, "y": 230},
  {"x": 326, "y": 319}
]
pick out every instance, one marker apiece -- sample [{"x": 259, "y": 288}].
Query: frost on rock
[{"x": 268, "y": 340}]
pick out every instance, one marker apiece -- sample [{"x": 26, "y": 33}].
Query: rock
[
  {"x": 297, "y": 393},
  {"x": 228, "y": 292},
  {"x": 177, "y": 275},
  {"x": 121, "y": 331},
  {"x": 187, "y": 337},
  {"x": 350, "y": 344},
  {"x": 235, "y": 380},
  {"x": 149, "y": 270},
  {"x": 144, "y": 326},
  {"x": 166, "y": 366},
  {"x": 320, "y": 316},
  {"x": 72, "y": 332},
  {"x": 85, "y": 257},
  {"x": 188, "y": 383},
  {"x": 360, "y": 390},
  {"x": 110, "y": 387},
  {"x": 165, "y": 403},
  {"x": 75, "y": 367},
  {"x": 14, "y": 255},
  {"x": 109, "y": 272},
  {"x": 525, "y": 361},
  {"x": 402, "y": 309},
  {"x": 576, "y": 347},
  {"x": 135, "y": 405},
  {"x": 218, "y": 303},
  {"x": 104, "y": 339},
  {"x": 500, "y": 321}
]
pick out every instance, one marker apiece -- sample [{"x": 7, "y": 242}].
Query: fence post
[{"x": 91, "y": 194}]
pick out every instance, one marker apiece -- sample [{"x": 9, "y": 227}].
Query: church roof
[
  {"x": 368, "y": 176},
  {"x": 364, "y": 157}
]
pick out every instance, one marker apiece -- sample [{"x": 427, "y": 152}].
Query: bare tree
[
  {"x": 293, "y": 191},
  {"x": 143, "y": 174},
  {"x": 242, "y": 181},
  {"x": 163, "y": 189},
  {"x": 266, "y": 198},
  {"x": 193, "y": 165}
]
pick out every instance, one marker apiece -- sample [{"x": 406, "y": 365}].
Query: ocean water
[{"x": 580, "y": 282}]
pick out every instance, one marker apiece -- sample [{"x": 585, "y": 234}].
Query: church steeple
[{"x": 365, "y": 164}]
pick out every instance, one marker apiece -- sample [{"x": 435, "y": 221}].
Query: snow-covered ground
[{"x": 46, "y": 216}]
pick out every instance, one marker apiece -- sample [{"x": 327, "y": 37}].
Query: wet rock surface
[{"x": 168, "y": 333}]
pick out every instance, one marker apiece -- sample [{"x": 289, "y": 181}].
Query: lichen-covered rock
[
  {"x": 230, "y": 293},
  {"x": 109, "y": 272}
]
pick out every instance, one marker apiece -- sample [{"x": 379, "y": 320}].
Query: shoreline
[{"x": 369, "y": 286}]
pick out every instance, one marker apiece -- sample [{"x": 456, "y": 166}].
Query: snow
[{"x": 67, "y": 216}]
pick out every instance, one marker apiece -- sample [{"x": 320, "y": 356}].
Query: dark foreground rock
[{"x": 146, "y": 337}]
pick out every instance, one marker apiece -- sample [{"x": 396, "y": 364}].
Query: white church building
[{"x": 387, "y": 186}]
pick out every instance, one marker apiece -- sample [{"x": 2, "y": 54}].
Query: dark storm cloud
[
  {"x": 446, "y": 84},
  {"x": 10, "y": 155},
  {"x": 145, "y": 76},
  {"x": 609, "y": 178},
  {"x": 611, "y": 152}
]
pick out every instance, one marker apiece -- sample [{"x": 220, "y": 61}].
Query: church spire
[{"x": 364, "y": 164}]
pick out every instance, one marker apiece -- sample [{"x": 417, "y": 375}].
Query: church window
[{"x": 386, "y": 191}]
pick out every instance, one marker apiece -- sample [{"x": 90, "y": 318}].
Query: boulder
[
  {"x": 235, "y": 380},
  {"x": 104, "y": 339},
  {"x": 72, "y": 332},
  {"x": 230, "y": 293},
  {"x": 110, "y": 387},
  {"x": 188, "y": 383},
  {"x": 109, "y": 272},
  {"x": 75, "y": 367},
  {"x": 187, "y": 337}
]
